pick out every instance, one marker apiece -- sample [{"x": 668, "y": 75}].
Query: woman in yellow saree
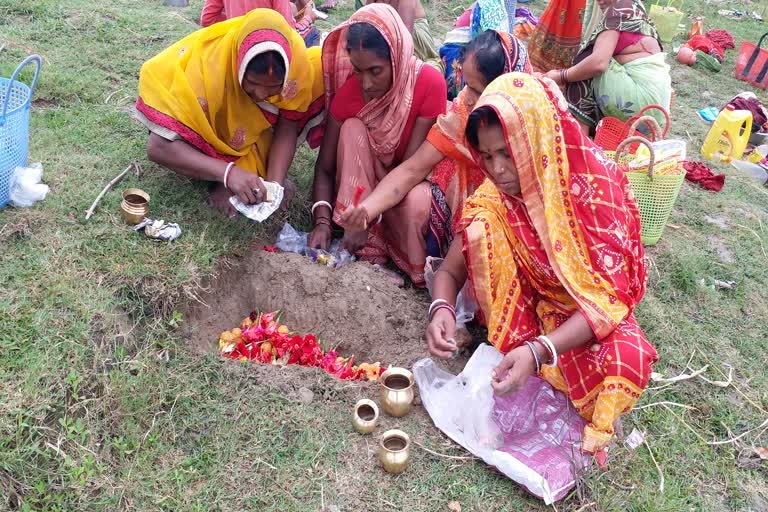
[
  {"x": 229, "y": 104},
  {"x": 551, "y": 245}
]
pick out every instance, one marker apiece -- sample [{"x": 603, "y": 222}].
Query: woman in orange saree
[
  {"x": 551, "y": 246},
  {"x": 557, "y": 36}
]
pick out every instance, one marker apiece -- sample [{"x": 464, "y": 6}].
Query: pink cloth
[
  {"x": 626, "y": 39},
  {"x": 215, "y": 11}
]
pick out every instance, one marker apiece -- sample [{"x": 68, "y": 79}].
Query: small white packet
[{"x": 260, "y": 212}]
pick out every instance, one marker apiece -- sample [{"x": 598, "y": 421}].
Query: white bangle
[
  {"x": 230, "y": 165},
  {"x": 437, "y": 302},
  {"x": 319, "y": 204},
  {"x": 551, "y": 347}
]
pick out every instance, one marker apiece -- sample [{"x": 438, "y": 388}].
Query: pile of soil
[{"x": 356, "y": 309}]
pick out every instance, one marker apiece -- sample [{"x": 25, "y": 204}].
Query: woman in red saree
[
  {"x": 557, "y": 36},
  {"x": 551, "y": 246},
  {"x": 382, "y": 102},
  {"x": 444, "y": 159}
]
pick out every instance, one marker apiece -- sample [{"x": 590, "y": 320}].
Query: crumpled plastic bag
[
  {"x": 533, "y": 436},
  {"x": 260, "y": 212},
  {"x": 26, "y": 188},
  {"x": 159, "y": 230},
  {"x": 466, "y": 305},
  {"x": 291, "y": 240}
]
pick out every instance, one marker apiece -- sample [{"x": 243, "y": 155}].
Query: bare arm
[
  {"x": 184, "y": 159},
  {"x": 188, "y": 161},
  {"x": 407, "y": 11},
  {"x": 395, "y": 185},
  {"x": 520, "y": 362},
  {"x": 282, "y": 150},
  {"x": 324, "y": 185},
  {"x": 418, "y": 135},
  {"x": 449, "y": 280},
  {"x": 597, "y": 63}
]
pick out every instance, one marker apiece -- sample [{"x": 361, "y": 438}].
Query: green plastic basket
[{"x": 655, "y": 194}]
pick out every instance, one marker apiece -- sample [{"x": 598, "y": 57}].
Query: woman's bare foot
[{"x": 218, "y": 197}]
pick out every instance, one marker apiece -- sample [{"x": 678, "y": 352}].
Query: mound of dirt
[{"x": 356, "y": 309}]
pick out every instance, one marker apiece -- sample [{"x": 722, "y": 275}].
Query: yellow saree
[{"x": 192, "y": 90}]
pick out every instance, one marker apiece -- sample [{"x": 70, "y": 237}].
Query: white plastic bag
[
  {"x": 26, "y": 188},
  {"x": 466, "y": 306},
  {"x": 532, "y": 436},
  {"x": 291, "y": 240},
  {"x": 262, "y": 211}
]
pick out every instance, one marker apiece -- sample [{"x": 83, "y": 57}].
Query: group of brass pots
[{"x": 396, "y": 395}]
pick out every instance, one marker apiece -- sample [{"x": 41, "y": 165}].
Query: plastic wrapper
[
  {"x": 466, "y": 306},
  {"x": 159, "y": 230},
  {"x": 663, "y": 149},
  {"x": 260, "y": 212},
  {"x": 26, "y": 188},
  {"x": 533, "y": 436},
  {"x": 291, "y": 240}
]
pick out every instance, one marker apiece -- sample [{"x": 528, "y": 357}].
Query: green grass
[{"x": 104, "y": 407}]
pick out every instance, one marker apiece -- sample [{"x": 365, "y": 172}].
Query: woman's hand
[
  {"x": 518, "y": 365},
  {"x": 441, "y": 329},
  {"x": 355, "y": 218},
  {"x": 320, "y": 237},
  {"x": 246, "y": 185},
  {"x": 353, "y": 241},
  {"x": 554, "y": 75}
]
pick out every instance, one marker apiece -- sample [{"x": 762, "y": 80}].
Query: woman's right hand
[
  {"x": 441, "y": 329},
  {"x": 320, "y": 237},
  {"x": 247, "y": 186},
  {"x": 355, "y": 218}
]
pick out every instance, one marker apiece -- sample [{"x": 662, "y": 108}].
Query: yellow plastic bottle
[{"x": 729, "y": 135}]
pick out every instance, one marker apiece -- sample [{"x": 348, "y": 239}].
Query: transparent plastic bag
[
  {"x": 532, "y": 436},
  {"x": 26, "y": 188},
  {"x": 291, "y": 240},
  {"x": 466, "y": 306}
]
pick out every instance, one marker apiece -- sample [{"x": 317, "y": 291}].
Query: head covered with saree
[
  {"x": 385, "y": 117},
  {"x": 574, "y": 227},
  {"x": 193, "y": 90},
  {"x": 456, "y": 178}
]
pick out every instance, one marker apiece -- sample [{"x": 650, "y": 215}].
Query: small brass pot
[
  {"x": 365, "y": 416},
  {"x": 395, "y": 451},
  {"x": 396, "y": 391},
  {"x": 135, "y": 205}
]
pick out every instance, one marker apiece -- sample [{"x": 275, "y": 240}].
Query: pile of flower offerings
[{"x": 262, "y": 338}]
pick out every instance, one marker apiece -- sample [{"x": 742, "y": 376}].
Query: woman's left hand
[{"x": 518, "y": 366}]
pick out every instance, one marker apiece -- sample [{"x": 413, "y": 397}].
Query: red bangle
[
  {"x": 438, "y": 307},
  {"x": 323, "y": 221},
  {"x": 550, "y": 355}
]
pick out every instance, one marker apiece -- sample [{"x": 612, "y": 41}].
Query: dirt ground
[{"x": 356, "y": 309}]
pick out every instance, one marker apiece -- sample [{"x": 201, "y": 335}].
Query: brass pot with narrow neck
[
  {"x": 135, "y": 205},
  {"x": 396, "y": 391},
  {"x": 365, "y": 416},
  {"x": 395, "y": 451}
]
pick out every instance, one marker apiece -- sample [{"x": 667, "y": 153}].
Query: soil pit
[{"x": 356, "y": 309}]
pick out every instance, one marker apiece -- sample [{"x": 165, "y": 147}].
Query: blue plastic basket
[{"x": 15, "y": 98}]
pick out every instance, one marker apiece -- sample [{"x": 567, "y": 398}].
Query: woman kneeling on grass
[
  {"x": 444, "y": 159},
  {"x": 383, "y": 102},
  {"x": 229, "y": 104},
  {"x": 620, "y": 67},
  {"x": 551, "y": 246}
]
